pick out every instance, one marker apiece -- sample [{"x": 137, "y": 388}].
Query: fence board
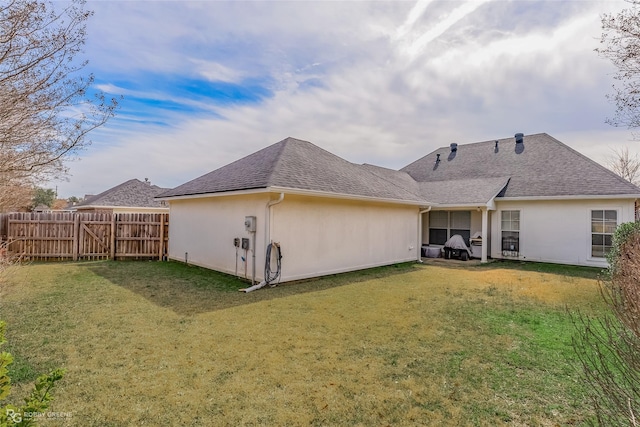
[{"x": 73, "y": 235}]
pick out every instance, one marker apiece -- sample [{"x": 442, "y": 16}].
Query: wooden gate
[
  {"x": 94, "y": 231},
  {"x": 72, "y": 235}
]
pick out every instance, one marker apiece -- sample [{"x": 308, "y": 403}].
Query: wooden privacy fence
[{"x": 73, "y": 235}]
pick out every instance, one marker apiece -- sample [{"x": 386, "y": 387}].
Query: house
[
  {"x": 531, "y": 198},
  {"x": 528, "y": 198},
  {"x": 130, "y": 196}
]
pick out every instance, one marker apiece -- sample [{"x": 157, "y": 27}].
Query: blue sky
[{"x": 208, "y": 82}]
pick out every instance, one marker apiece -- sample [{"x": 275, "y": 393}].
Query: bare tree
[
  {"x": 625, "y": 165},
  {"x": 620, "y": 43},
  {"x": 46, "y": 110},
  {"x": 15, "y": 197}
]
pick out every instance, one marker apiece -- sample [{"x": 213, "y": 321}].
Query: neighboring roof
[
  {"x": 296, "y": 164},
  {"x": 541, "y": 167},
  {"x": 132, "y": 193}
]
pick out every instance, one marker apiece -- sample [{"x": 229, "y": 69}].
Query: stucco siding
[
  {"x": 322, "y": 236},
  {"x": 318, "y": 236},
  {"x": 205, "y": 228},
  {"x": 556, "y": 231}
]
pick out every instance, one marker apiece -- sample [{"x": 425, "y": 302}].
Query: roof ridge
[
  {"x": 491, "y": 140},
  {"x": 281, "y": 149}
]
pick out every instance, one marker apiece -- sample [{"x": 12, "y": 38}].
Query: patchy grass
[{"x": 169, "y": 344}]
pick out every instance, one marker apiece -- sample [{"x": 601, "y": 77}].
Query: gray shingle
[
  {"x": 542, "y": 167},
  {"x": 477, "y": 191},
  {"x": 296, "y": 164},
  {"x": 132, "y": 193}
]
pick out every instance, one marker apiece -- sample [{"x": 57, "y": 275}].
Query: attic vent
[
  {"x": 519, "y": 138},
  {"x": 454, "y": 147}
]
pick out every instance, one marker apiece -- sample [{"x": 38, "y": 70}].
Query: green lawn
[{"x": 169, "y": 344}]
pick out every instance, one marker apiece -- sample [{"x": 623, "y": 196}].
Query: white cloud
[
  {"x": 340, "y": 79},
  {"x": 444, "y": 24}
]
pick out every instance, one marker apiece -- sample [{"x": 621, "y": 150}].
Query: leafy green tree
[{"x": 43, "y": 196}]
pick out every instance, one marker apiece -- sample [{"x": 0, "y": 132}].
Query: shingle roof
[
  {"x": 541, "y": 166},
  {"x": 296, "y": 164},
  {"x": 132, "y": 193},
  {"x": 477, "y": 191}
]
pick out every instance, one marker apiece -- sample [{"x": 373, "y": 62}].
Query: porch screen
[
  {"x": 444, "y": 224},
  {"x": 438, "y": 227},
  {"x": 461, "y": 224}
]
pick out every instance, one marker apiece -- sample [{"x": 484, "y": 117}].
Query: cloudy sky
[{"x": 208, "y": 82}]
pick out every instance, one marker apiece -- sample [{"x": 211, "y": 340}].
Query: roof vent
[
  {"x": 454, "y": 147},
  {"x": 519, "y": 138},
  {"x": 496, "y": 144},
  {"x": 438, "y": 158}
]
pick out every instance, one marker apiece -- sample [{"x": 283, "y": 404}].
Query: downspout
[
  {"x": 267, "y": 232},
  {"x": 268, "y": 216},
  {"x": 423, "y": 211},
  {"x": 267, "y": 236}
]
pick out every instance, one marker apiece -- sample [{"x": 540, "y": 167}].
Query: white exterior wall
[
  {"x": 205, "y": 228},
  {"x": 556, "y": 231},
  {"x": 320, "y": 236}
]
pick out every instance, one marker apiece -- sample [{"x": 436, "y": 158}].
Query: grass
[{"x": 148, "y": 343}]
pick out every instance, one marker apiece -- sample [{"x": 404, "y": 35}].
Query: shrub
[
  {"x": 36, "y": 403},
  {"x": 609, "y": 347}
]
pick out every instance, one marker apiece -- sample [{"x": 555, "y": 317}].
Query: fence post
[
  {"x": 112, "y": 249},
  {"x": 76, "y": 235}
]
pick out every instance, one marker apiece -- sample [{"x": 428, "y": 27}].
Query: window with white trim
[
  {"x": 603, "y": 225},
  {"x": 510, "y": 228},
  {"x": 444, "y": 224}
]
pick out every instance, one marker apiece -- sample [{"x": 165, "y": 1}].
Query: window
[
  {"x": 444, "y": 224},
  {"x": 603, "y": 224},
  {"x": 510, "y": 233}
]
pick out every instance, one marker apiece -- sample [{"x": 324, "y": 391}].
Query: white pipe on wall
[
  {"x": 419, "y": 257},
  {"x": 270, "y": 203}
]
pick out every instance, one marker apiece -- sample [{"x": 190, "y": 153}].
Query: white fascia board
[
  {"x": 328, "y": 194},
  {"x": 207, "y": 195},
  {"x": 299, "y": 192},
  {"x": 81, "y": 208},
  {"x": 572, "y": 197},
  {"x": 461, "y": 206}
]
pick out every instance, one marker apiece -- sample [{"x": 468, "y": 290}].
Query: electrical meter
[{"x": 250, "y": 224}]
